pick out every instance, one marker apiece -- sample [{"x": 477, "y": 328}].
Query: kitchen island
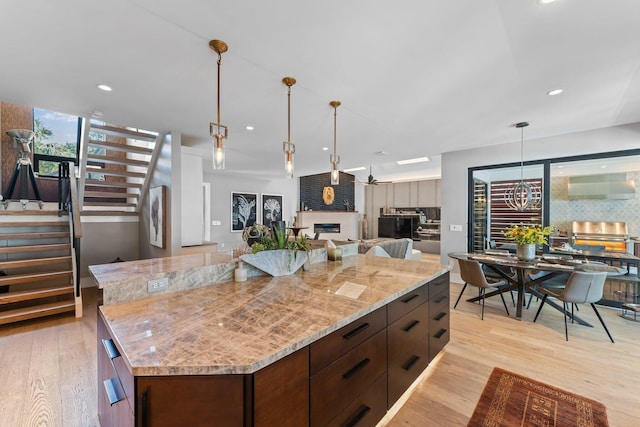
[{"x": 336, "y": 344}]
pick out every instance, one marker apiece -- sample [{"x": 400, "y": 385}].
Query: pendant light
[
  {"x": 334, "y": 158},
  {"x": 217, "y": 130},
  {"x": 288, "y": 147},
  {"x": 523, "y": 195}
]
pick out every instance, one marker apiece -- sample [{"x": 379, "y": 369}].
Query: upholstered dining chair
[
  {"x": 472, "y": 274},
  {"x": 582, "y": 287}
]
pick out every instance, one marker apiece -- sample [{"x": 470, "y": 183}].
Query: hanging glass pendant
[{"x": 523, "y": 195}]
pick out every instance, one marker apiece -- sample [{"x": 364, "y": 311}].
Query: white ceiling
[{"x": 415, "y": 77}]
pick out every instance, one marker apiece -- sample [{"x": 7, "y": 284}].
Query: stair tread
[
  {"x": 107, "y": 213},
  {"x": 126, "y": 133},
  {"x": 111, "y": 195},
  {"x": 110, "y": 204},
  {"x": 35, "y": 248},
  {"x": 120, "y": 147},
  {"x": 116, "y": 160},
  {"x": 34, "y": 235},
  {"x": 33, "y": 262},
  {"x": 31, "y": 294},
  {"x": 64, "y": 223},
  {"x": 41, "y": 310},
  {"x": 112, "y": 184},
  {"x": 15, "y": 279},
  {"x": 128, "y": 174}
]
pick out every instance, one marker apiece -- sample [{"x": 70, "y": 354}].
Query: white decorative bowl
[{"x": 280, "y": 262}]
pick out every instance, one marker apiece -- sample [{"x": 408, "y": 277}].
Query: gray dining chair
[
  {"x": 472, "y": 274},
  {"x": 582, "y": 287}
]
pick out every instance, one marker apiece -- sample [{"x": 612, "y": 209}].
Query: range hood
[{"x": 607, "y": 186}]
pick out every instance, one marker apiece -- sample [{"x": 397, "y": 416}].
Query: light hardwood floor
[{"x": 48, "y": 367}]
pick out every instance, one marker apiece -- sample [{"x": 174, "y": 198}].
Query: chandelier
[
  {"x": 217, "y": 130},
  {"x": 523, "y": 195},
  {"x": 288, "y": 147},
  {"x": 334, "y": 158}
]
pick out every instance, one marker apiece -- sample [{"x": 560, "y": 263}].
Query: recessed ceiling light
[
  {"x": 361, "y": 168},
  {"x": 325, "y": 148},
  {"x": 382, "y": 153},
  {"x": 603, "y": 166},
  {"x": 249, "y": 128},
  {"x": 416, "y": 160},
  {"x": 545, "y": 1},
  {"x": 554, "y": 92},
  {"x": 105, "y": 88}
]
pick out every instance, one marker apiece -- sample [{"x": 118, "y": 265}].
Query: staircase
[
  {"x": 37, "y": 265},
  {"x": 114, "y": 169}
]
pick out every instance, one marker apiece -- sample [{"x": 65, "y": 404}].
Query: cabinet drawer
[
  {"x": 334, "y": 345},
  {"x": 367, "y": 409},
  {"x": 336, "y": 386},
  {"x": 439, "y": 285},
  {"x": 408, "y": 340},
  {"x": 437, "y": 340},
  {"x": 406, "y": 303}
]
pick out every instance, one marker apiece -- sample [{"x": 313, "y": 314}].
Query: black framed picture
[
  {"x": 244, "y": 211},
  {"x": 271, "y": 208}
]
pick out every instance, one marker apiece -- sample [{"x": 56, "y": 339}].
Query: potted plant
[
  {"x": 254, "y": 233},
  {"x": 276, "y": 254},
  {"x": 526, "y": 237}
]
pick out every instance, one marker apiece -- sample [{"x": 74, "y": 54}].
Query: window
[{"x": 57, "y": 139}]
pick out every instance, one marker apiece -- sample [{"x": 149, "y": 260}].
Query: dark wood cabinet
[
  {"x": 408, "y": 339},
  {"x": 281, "y": 392},
  {"x": 339, "y": 342},
  {"x": 366, "y": 409},
  {"x": 439, "y": 315},
  {"x": 336, "y": 386}
]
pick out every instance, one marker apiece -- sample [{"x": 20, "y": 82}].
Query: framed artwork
[
  {"x": 271, "y": 208},
  {"x": 244, "y": 210},
  {"x": 157, "y": 226}
]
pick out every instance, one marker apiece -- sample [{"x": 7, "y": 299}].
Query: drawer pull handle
[
  {"x": 351, "y": 372},
  {"x": 114, "y": 392},
  {"x": 355, "y": 331},
  {"x": 358, "y": 417},
  {"x": 440, "y": 333},
  {"x": 410, "y": 326},
  {"x": 439, "y": 316},
  {"x": 110, "y": 348},
  {"x": 442, "y": 298},
  {"x": 407, "y": 366},
  {"x": 409, "y": 299}
]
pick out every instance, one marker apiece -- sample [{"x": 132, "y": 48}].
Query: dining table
[{"x": 502, "y": 262}]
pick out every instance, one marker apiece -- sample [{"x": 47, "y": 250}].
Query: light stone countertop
[{"x": 238, "y": 328}]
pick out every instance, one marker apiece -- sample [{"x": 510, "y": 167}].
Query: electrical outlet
[{"x": 158, "y": 284}]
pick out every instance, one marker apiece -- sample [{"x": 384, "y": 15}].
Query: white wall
[
  {"x": 455, "y": 167},
  {"x": 224, "y": 183}
]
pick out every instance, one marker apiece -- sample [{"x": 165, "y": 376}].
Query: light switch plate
[{"x": 455, "y": 227}]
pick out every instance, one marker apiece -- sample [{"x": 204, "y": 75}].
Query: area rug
[{"x": 510, "y": 399}]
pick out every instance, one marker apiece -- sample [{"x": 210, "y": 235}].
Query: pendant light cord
[
  {"x": 288, "y": 113},
  {"x": 219, "y": 62}
]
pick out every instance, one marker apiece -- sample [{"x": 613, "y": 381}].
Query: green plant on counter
[{"x": 279, "y": 239}]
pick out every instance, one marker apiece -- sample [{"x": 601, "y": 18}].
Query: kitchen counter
[
  {"x": 239, "y": 328},
  {"x": 336, "y": 344}
]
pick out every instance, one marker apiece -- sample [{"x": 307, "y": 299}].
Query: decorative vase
[
  {"x": 526, "y": 252},
  {"x": 280, "y": 262}
]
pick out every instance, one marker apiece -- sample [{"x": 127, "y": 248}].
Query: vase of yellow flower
[{"x": 526, "y": 237}]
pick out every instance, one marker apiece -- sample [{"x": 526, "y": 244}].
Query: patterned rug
[{"x": 509, "y": 399}]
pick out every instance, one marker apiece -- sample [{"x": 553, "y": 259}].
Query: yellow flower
[{"x": 524, "y": 234}]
